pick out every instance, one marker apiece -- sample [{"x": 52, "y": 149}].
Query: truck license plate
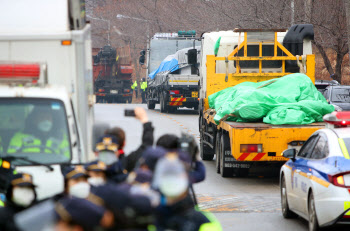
[
  {"x": 114, "y": 91},
  {"x": 195, "y": 94}
]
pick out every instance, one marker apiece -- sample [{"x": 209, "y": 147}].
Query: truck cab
[{"x": 39, "y": 131}]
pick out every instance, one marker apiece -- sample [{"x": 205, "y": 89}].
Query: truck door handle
[{"x": 297, "y": 171}]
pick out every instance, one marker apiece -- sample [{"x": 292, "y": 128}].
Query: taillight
[
  {"x": 341, "y": 180},
  {"x": 251, "y": 148},
  {"x": 101, "y": 90},
  {"x": 174, "y": 92},
  {"x": 126, "y": 90}
]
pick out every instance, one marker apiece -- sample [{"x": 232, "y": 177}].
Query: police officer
[
  {"x": 40, "y": 135},
  {"x": 107, "y": 152},
  {"x": 97, "y": 173},
  {"x": 127, "y": 208},
  {"x": 134, "y": 88},
  {"x": 78, "y": 214},
  {"x": 19, "y": 196},
  {"x": 143, "y": 90},
  {"x": 75, "y": 181}
]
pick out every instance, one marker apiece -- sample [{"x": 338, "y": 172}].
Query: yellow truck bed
[{"x": 274, "y": 138}]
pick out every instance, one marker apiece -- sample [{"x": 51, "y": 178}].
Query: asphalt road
[{"x": 251, "y": 203}]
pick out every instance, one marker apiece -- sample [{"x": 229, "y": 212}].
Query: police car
[{"x": 315, "y": 182}]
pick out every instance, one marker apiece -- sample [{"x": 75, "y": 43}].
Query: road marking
[{"x": 239, "y": 204}]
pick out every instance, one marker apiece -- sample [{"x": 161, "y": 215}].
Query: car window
[
  {"x": 321, "y": 148},
  {"x": 341, "y": 95},
  {"x": 326, "y": 93},
  {"x": 308, "y": 147}
]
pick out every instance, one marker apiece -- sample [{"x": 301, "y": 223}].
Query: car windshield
[
  {"x": 341, "y": 95},
  {"x": 34, "y": 130}
]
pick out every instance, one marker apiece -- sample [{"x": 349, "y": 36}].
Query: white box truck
[{"x": 51, "y": 34}]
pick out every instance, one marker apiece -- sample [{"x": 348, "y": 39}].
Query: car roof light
[
  {"x": 338, "y": 118},
  {"x": 23, "y": 72}
]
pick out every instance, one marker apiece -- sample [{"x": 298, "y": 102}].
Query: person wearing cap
[
  {"x": 96, "y": 171},
  {"x": 129, "y": 210},
  {"x": 147, "y": 138},
  {"x": 107, "y": 152},
  {"x": 40, "y": 135},
  {"x": 19, "y": 196},
  {"x": 81, "y": 215},
  {"x": 75, "y": 181},
  {"x": 177, "y": 210},
  {"x": 172, "y": 142}
]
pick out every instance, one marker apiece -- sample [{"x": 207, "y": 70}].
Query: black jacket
[
  {"x": 147, "y": 140},
  {"x": 7, "y": 214}
]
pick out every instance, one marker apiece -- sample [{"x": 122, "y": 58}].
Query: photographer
[
  {"x": 188, "y": 145},
  {"x": 147, "y": 138}
]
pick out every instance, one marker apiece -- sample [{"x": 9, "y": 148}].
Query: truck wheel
[
  {"x": 206, "y": 152},
  {"x": 217, "y": 151},
  {"x": 163, "y": 105},
  {"x": 224, "y": 149},
  {"x": 150, "y": 105}
]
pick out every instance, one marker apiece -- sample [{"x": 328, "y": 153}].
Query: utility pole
[
  {"x": 292, "y": 11},
  {"x": 347, "y": 9}
]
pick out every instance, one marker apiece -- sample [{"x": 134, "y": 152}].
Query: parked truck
[
  {"x": 172, "y": 82},
  {"x": 250, "y": 55},
  {"x": 112, "y": 75},
  {"x": 46, "y": 76}
]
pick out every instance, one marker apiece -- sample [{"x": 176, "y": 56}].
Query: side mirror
[
  {"x": 192, "y": 56},
  {"x": 290, "y": 153},
  {"x": 142, "y": 60}
]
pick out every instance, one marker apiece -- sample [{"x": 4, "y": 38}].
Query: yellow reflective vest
[
  {"x": 144, "y": 86},
  {"x": 134, "y": 85},
  {"x": 25, "y": 143}
]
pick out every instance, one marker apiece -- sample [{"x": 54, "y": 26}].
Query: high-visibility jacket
[
  {"x": 144, "y": 86},
  {"x": 134, "y": 85},
  {"x": 212, "y": 225},
  {"x": 26, "y": 143}
]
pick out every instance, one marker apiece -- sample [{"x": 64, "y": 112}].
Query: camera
[
  {"x": 129, "y": 112},
  {"x": 188, "y": 144}
]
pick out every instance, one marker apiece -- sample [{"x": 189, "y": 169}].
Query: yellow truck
[{"x": 252, "y": 55}]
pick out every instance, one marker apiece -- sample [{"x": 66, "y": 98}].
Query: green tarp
[{"x": 292, "y": 99}]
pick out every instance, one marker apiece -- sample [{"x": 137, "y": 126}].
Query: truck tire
[
  {"x": 217, "y": 151},
  {"x": 150, "y": 105},
  {"x": 206, "y": 152},
  {"x": 224, "y": 148},
  {"x": 163, "y": 106}
]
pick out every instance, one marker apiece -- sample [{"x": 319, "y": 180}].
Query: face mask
[
  {"x": 108, "y": 158},
  {"x": 23, "y": 196},
  {"x": 45, "y": 126},
  {"x": 173, "y": 186},
  {"x": 96, "y": 181},
  {"x": 80, "y": 190}
]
